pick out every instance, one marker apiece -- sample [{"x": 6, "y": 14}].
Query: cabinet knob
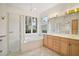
[{"x": 69, "y": 44}]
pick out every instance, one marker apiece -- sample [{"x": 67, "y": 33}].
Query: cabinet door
[
  {"x": 45, "y": 41},
  {"x": 57, "y": 44},
  {"x": 64, "y": 47},
  {"x": 53, "y": 43},
  {"x": 50, "y": 42},
  {"x": 74, "y": 48}
]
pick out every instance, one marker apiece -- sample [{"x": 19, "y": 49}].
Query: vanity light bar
[{"x": 72, "y": 11}]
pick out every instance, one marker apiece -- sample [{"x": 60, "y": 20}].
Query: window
[
  {"x": 44, "y": 24},
  {"x": 30, "y": 24},
  {"x": 34, "y": 24}
]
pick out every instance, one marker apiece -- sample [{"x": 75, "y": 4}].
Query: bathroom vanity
[{"x": 62, "y": 45}]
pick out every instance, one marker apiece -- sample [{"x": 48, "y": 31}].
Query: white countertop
[{"x": 76, "y": 37}]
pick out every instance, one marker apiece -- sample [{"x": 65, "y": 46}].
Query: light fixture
[
  {"x": 76, "y": 9},
  {"x": 71, "y": 11},
  {"x": 53, "y": 15}
]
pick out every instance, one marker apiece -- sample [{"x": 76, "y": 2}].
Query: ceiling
[
  {"x": 60, "y": 9},
  {"x": 44, "y": 9},
  {"x": 33, "y": 7}
]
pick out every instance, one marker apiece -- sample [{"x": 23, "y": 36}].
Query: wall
[{"x": 16, "y": 10}]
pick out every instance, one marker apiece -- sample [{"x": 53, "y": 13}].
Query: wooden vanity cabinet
[
  {"x": 54, "y": 43},
  {"x": 64, "y": 46},
  {"x": 50, "y": 42},
  {"x": 74, "y": 47},
  {"x": 69, "y": 47},
  {"x": 57, "y": 44}
]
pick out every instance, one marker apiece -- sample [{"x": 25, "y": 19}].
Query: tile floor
[
  {"x": 37, "y": 52},
  {"x": 41, "y": 52}
]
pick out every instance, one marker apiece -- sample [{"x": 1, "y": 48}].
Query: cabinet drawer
[
  {"x": 65, "y": 40},
  {"x": 76, "y": 42}
]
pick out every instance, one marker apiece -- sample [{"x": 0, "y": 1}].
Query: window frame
[{"x": 26, "y": 25}]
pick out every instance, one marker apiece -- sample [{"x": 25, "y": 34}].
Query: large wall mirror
[{"x": 44, "y": 25}]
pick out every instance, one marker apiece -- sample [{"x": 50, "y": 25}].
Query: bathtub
[{"x": 32, "y": 41}]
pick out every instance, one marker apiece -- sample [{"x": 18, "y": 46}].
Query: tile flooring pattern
[
  {"x": 37, "y": 52},
  {"x": 41, "y": 52}
]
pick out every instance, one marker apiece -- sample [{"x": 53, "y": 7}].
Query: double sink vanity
[{"x": 63, "y": 44}]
